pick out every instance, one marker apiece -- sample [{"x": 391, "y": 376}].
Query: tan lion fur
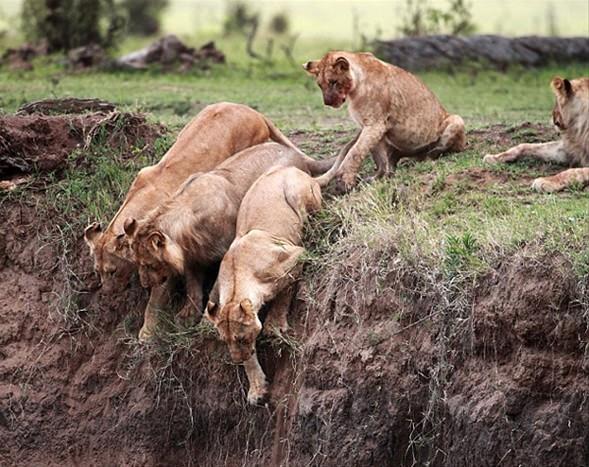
[
  {"x": 398, "y": 115},
  {"x": 571, "y": 117},
  {"x": 260, "y": 264},
  {"x": 217, "y": 132},
  {"x": 194, "y": 228}
]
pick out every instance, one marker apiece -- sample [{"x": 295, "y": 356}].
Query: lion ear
[
  {"x": 246, "y": 306},
  {"x": 91, "y": 233},
  {"x": 211, "y": 312},
  {"x": 130, "y": 226},
  {"x": 341, "y": 65},
  {"x": 562, "y": 85},
  {"x": 120, "y": 241},
  {"x": 156, "y": 241},
  {"x": 312, "y": 67}
]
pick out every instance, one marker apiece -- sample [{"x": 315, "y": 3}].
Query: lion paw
[
  {"x": 490, "y": 159},
  {"x": 345, "y": 182},
  {"x": 258, "y": 393},
  {"x": 145, "y": 335},
  {"x": 543, "y": 184}
]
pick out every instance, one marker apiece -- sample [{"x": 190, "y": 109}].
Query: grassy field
[{"x": 451, "y": 215}]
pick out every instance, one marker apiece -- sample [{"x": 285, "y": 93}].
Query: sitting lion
[
  {"x": 571, "y": 116},
  {"x": 397, "y": 114},
  {"x": 193, "y": 229},
  {"x": 217, "y": 132},
  {"x": 260, "y": 264}
]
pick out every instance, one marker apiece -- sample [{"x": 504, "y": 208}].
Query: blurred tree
[
  {"x": 422, "y": 19},
  {"x": 143, "y": 16},
  {"x": 279, "y": 24},
  {"x": 66, "y": 24},
  {"x": 239, "y": 18}
]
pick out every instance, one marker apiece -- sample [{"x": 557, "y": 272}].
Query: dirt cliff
[{"x": 381, "y": 367}]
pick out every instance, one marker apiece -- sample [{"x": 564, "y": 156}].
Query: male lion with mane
[{"x": 571, "y": 117}]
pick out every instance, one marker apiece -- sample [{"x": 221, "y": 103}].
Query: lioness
[
  {"x": 398, "y": 115},
  {"x": 571, "y": 117},
  {"x": 217, "y": 132},
  {"x": 259, "y": 264},
  {"x": 194, "y": 228}
]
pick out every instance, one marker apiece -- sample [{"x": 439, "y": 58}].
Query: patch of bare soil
[
  {"x": 38, "y": 142},
  {"x": 382, "y": 375},
  {"x": 503, "y": 136},
  {"x": 33, "y": 143}
]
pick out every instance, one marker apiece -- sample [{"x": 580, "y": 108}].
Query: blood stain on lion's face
[{"x": 333, "y": 76}]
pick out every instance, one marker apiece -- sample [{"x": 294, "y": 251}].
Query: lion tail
[
  {"x": 315, "y": 167},
  {"x": 279, "y": 137}
]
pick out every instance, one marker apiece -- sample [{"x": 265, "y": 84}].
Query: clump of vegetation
[
  {"x": 421, "y": 19},
  {"x": 240, "y": 18},
  {"x": 279, "y": 24},
  {"x": 143, "y": 16},
  {"x": 66, "y": 24}
]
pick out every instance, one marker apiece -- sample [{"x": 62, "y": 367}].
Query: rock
[
  {"x": 417, "y": 53},
  {"x": 168, "y": 51},
  {"x": 87, "y": 56}
]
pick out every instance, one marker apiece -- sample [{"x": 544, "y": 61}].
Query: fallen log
[{"x": 430, "y": 52}]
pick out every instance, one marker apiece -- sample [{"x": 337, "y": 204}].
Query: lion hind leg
[
  {"x": 258, "y": 390},
  {"x": 547, "y": 152},
  {"x": 562, "y": 180},
  {"x": 452, "y": 139},
  {"x": 277, "y": 317},
  {"x": 380, "y": 154}
]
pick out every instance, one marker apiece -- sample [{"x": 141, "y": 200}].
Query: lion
[
  {"x": 260, "y": 264},
  {"x": 398, "y": 115},
  {"x": 193, "y": 229},
  {"x": 217, "y": 132},
  {"x": 571, "y": 118}
]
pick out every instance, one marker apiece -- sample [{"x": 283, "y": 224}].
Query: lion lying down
[
  {"x": 194, "y": 228},
  {"x": 571, "y": 116},
  {"x": 260, "y": 264},
  {"x": 216, "y": 133}
]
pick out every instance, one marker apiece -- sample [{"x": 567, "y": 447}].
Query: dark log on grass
[{"x": 429, "y": 52}]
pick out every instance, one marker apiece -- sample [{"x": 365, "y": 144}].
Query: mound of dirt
[
  {"x": 377, "y": 370},
  {"x": 33, "y": 141}
]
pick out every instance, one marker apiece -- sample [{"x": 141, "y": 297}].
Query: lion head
[
  {"x": 157, "y": 255},
  {"x": 110, "y": 253},
  {"x": 571, "y": 101},
  {"x": 333, "y": 75},
  {"x": 238, "y": 325}
]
